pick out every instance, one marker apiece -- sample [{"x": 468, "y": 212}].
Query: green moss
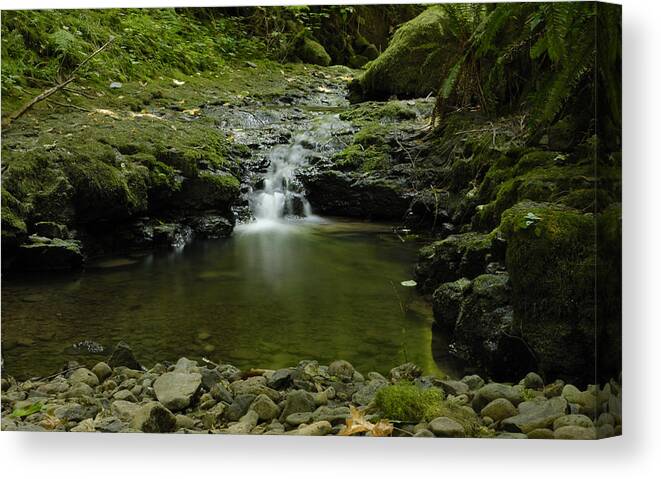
[
  {"x": 13, "y": 225},
  {"x": 371, "y": 135},
  {"x": 369, "y": 112},
  {"x": 405, "y": 402},
  {"x": 408, "y": 403},
  {"x": 551, "y": 260},
  {"x": 355, "y": 157},
  {"x": 416, "y": 49},
  {"x": 311, "y": 51}
]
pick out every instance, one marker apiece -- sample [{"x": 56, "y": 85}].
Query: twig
[
  {"x": 45, "y": 94},
  {"x": 67, "y": 105}
]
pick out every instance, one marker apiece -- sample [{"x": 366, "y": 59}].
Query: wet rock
[
  {"x": 457, "y": 256},
  {"x": 320, "y": 428},
  {"x": 447, "y": 301},
  {"x": 122, "y": 355},
  {"x": 265, "y": 408},
  {"x": 239, "y": 406},
  {"x": 220, "y": 393},
  {"x": 579, "y": 420},
  {"x": 75, "y": 412},
  {"x": 536, "y": 415},
  {"x": 341, "y": 369},
  {"x": 298, "y": 418},
  {"x": 540, "y": 433},
  {"x": 255, "y": 385},
  {"x": 177, "y": 390},
  {"x": 297, "y": 401},
  {"x": 43, "y": 254},
  {"x": 473, "y": 382},
  {"x": 102, "y": 371},
  {"x": 491, "y": 391},
  {"x": 405, "y": 372},
  {"x": 454, "y": 388},
  {"x": 87, "y": 425},
  {"x": 210, "y": 377},
  {"x": 533, "y": 381},
  {"x": 79, "y": 390},
  {"x": 587, "y": 400},
  {"x": 333, "y": 415},
  {"x": 367, "y": 393},
  {"x": 85, "y": 376},
  {"x": 343, "y": 194},
  {"x": 246, "y": 424},
  {"x": 424, "y": 433},
  {"x": 212, "y": 226},
  {"x": 446, "y": 427},
  {"x": 575, "y": 432},
  {"x": 499, "y": 409},
  {"x": 153, "y": 417},
  {"x": 50, "y": 229},
  {"x": 280, "y": 379},
  {"x": 124, "y": 410},
  {"x": 125, "y": 395},
  {"x": 108, "y": 424}
]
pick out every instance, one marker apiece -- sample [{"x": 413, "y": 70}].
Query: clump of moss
[
  {"x": 355, "y": 157},
  {"x": 409, "y": 403}
]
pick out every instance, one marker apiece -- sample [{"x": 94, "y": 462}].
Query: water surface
[{"x": 268, "y": 297}]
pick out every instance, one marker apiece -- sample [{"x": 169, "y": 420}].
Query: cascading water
[{"x": 279, "y": 196}]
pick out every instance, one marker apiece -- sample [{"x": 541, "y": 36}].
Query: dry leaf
[
  {"x": 193, "y": 111},
  {"x": 357, "y": 424},
  {"x": 109, "y": 113}
]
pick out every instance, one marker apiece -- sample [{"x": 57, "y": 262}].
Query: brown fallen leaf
[{"x": 357, "y": 423}]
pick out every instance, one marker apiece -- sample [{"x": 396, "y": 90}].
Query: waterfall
[
  {"x": 281, "y": 195},
  {"x": 278, "y": 199}
]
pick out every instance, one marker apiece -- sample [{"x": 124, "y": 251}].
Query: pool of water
[{"x": 268, "y": 297}]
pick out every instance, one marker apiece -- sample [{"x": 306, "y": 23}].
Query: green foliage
[
  {"x": 40, "y": 46},
  {"x": 406, "y": 402},
  {"x": 28, "y": 411},
  {"x": 540, "y": 56}
]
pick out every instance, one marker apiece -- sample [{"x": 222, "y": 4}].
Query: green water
[{"x": 264, "y": 298}]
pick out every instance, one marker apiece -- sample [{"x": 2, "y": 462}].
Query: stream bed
[{"x": 266, "y": 297}]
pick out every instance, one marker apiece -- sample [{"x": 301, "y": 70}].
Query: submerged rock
[
  {"x": 177, "y": 390},
  {"x": 122, "y": 355}
]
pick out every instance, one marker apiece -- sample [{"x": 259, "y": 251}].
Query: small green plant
[
  {"x": 28, "y": 411},
  {"x": 408, "y": 403}
]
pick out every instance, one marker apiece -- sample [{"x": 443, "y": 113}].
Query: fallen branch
[
  {"x": 46, "y": 93},
  {"x": 68, "y": 105}
]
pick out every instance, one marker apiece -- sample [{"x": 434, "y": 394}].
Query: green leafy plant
[{"x": 28, "y": 411}]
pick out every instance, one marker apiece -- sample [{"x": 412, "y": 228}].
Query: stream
[{"x": 287, "y": 285}]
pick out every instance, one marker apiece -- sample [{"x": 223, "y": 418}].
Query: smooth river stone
[{"x": 176, "y": 390}]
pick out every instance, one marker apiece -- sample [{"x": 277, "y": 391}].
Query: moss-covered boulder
[
  {"x": 551, "y": 259},
  {"x": 337, "y": 193},
  {"x": 413, "y": 63},
  {"x": 208, "y": 191},
  {"x": 45, "y": 254},
  {"x": 457, "y": 256},
  {"x": 311, "y": 51}
]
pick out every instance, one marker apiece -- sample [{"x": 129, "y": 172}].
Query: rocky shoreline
[{"x": 120, "y": 395}]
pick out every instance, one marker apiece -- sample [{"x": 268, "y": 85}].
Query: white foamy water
[{"x": 281, "y": 203}]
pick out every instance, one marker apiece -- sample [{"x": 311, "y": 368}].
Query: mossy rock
[
  {"x": 311, "y": 51},
  {"x": 457, "y": 256},
  {"x": 356, "y": 157},
  {"x": 14, "y": 230},
  {"x": 410, "y": 66},
  {"x": 209, "y": 191},
  {"x": 551, "y": 259},
  {"x": 405, "y": 402}
]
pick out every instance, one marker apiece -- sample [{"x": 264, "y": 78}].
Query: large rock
[
  {"x": 311, "y": 51},
  {"x": 177, "y": 390},
  {"x": 85, "y": 376},
  {"x": 554, "y": 265},
  {"x": 484, "y": 330},
  {"x": 122, "y": 355},
  {"x": 447, "y": 301},
  {"x": 457, "y": 256},
  {"x": 492, "y": 391},
  {"x": 344, "y": 194},
  {"x": 575, "y": 433},
  {"x": 44, "y": 254},
  {"x": 297, "y": 401},
  {"x": 499, "y": 409},
  {"x": 265, "y": 408},
  {"x": 153, "y": 417},
  {"x": 446, "y": 427},
  {"x": 418, "y": 48},
  {"x": 536, "y": 415}
]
